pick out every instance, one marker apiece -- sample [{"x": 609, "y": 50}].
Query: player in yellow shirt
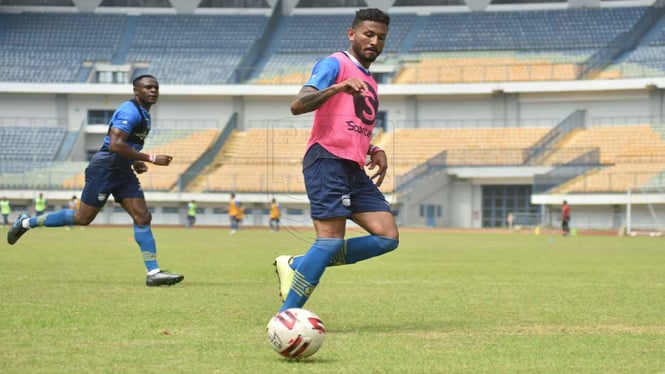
[
  {"x": 191, "y": 214},
  {"x": 5, "y": 210},
  {"x": 275, "y": 215},
  {"x": 233, "y": 213}
]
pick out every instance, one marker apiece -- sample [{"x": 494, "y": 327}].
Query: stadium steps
[
  {"x": 84, "y": 73},
  {"x": 125, "y": 41},
  {"x": 644, "y": 41},
  {"x": 278, "y": 33},
  {"x": 236, "y": 141},
  {"x": 569, "y": 185},
  {"x": 412, "y": 36},
  {"x": 568, "y": 137},
  {"x": 67, "y": 145}
]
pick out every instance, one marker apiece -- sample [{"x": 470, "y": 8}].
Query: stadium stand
[
  {"x": 525, "y": 46},
  {"x": 180, "y": 49},
  {"x": 632, "y": 154},
  {"x": 615, "y": 178},
  {"x": 504, "y": 49},
  {"x": 407, "y": 149},
  {"x": 474, "y": 67},
  {"x": 21, "y": 148},
  {"x": 185, "y": 146},
  {"x": 52, "y": 47},
  {"x": 187, "y": 49},
  {"x": 307, "y": 38},
  {"x": 43, "y": 176},
  {"x": 613, "y": 141},
  {"x": 528, "y": 30},
  {"x": 644, "y": 61},
  {"x": 28, "y": 156},
  {"x": 214, "y": 49},
  {"x": 447, "y": 47},
  {"x": 258, "y": 160}
]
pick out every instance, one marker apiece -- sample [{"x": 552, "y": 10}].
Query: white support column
[{"x": 628, "y": 212}]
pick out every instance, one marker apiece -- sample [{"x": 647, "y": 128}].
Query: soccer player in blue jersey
[
  {"x": 343, "y": 94},
  {"x": 111, "y": 171}
]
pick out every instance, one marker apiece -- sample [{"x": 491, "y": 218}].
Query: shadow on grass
[{"x": 392, "y": 327}]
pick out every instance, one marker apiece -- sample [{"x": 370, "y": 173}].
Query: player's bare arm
[
  {"x": 310, "y": 99},
  {"x": 119, "y": 146}
]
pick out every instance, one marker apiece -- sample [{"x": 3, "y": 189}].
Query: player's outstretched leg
[
  {"x": 353, "y": 250},
  {"x": 284, "y": 274},
  {"x": 17, "y": 229},
  {"x": 64, "y": 217},
  {"x": 357, "y": 249}
]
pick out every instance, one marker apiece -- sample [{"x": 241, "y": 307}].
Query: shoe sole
[
  {"x": 168, "y": 282},
  {"x": 14, "y": 237}
]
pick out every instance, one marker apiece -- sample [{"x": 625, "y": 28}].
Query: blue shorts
[
  {"x": 339, "y": 188},
  {"x": 101, "y": 182}
]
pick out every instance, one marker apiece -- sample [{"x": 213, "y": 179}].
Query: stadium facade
[{"x": 474, "y": 134}]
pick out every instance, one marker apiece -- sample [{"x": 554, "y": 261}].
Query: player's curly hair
[
  {"x": 136, "y": 80},
  {"x": 370, "y": 14}
]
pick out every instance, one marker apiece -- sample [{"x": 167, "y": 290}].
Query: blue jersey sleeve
[
  {"x": 126, "y": 118},
  {"x": 324, "y": 73}
]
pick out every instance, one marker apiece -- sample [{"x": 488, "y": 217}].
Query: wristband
[
  {"x": 374, "y": 149},
  {"x": 152, "y": 158}
]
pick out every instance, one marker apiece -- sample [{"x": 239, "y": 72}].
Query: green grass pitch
[{"x": 75, "y": 302}]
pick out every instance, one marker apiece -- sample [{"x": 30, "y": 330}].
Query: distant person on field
[
  {"x": 73, "y": 204},
  {"x": 240, "y": 215},
  {"x": 5, "y": 210},
  {"x": 39, "y": 205},
  {"x": 565, "y": 218},
  {"x": 234, "y": 205},
  {"x": 191, "y": 214},
  {"x": 112, "y": 171},
  {"x": 275, "y": 215}
]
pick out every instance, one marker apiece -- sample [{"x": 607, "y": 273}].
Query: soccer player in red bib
[{"x": 344, "y": 96}]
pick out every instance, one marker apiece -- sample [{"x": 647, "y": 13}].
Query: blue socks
[
  {"x": 363, "y": 248},
  {"x": 309, "y": 270},
  {"x": 358, "y": 249},
  {"x": 331, "y": 252},
  {"x": 60, "y": 218},
  {"x": 145, "y": 239}
]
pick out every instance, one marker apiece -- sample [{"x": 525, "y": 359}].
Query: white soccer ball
[{"x": 296, "y": 333}]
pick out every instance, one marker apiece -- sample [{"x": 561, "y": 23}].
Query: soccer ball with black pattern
[{"x": 296, "y": 333}]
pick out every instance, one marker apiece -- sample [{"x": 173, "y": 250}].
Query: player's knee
[
  {"x": 386, "y": 244},
  {"x": 83, "y": 219},
  {"x": 143, "y": 219}
]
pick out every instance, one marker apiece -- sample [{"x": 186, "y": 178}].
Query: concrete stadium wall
[{"x": 406, "y": 106}]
